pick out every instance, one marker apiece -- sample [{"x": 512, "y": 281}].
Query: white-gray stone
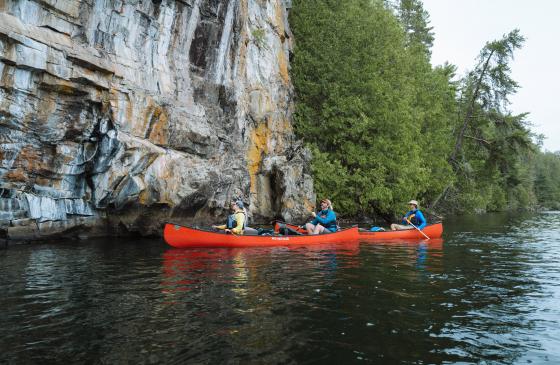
[{"x": 141, "y": 111}]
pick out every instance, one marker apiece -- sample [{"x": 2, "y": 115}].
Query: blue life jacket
[
  {"x": 418, "y": 220},
  {"x": 326, "y": 218}
]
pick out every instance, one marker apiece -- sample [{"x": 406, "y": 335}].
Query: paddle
[{"x": 412, "y": 224}]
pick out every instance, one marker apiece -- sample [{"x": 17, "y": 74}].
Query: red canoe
[
  {"x": 432, "y": 231},
  {"x": 183, "y": 237}
]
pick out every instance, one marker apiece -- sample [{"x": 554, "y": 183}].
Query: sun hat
[
  {"x": 239, "y": 203},
  {"x": 413, "y": 202}
]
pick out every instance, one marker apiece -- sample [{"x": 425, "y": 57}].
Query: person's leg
[
  {"x": 318, "y": 229},
  {"x": 248, "y": 231},
  {"x": 309, "y": 227},
  {"x": 400, "y": 227}
]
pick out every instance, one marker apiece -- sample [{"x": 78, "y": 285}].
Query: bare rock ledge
[{"x": 119, "y": 115}]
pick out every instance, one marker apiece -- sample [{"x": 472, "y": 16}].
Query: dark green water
[{"x": 489, "y": 292}]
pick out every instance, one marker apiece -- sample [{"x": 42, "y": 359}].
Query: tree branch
[
  {"x": 479, "y": 140},
  {"x": 460, "y": 136}
]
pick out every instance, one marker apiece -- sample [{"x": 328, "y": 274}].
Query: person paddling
[
  {"x": 413, "y": 217},
  {"x": 236, "y": 221},
  {"x": 324, "y": 220}
]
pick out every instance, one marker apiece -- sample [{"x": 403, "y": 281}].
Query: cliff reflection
[{"x": 481, "y": 296}]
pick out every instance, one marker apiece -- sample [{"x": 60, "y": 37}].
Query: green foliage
[
  {"x": 492, "y": 146},
  {"x": 415, "y": 21},
  {"x": 547, "y": 179},
  {"x": 385, "y": 126},
  {"x": 485, "y": 96},
  {"x": 357, "y": 104},
  {"x": 259, "y": 37}
]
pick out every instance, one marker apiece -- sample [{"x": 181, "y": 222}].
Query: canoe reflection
[
  {"x": 188, "y": 269},
  {"x": 428, "y": 253},
  {"x": 424, "y": 255}
]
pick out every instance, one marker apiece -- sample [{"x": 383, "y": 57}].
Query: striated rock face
[{"x": 119, "y": 115}]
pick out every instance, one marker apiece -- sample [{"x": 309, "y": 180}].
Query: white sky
[{"x": 462, "y": 27}]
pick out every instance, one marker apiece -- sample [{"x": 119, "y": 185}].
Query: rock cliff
[{"x": 119, "y": 115}]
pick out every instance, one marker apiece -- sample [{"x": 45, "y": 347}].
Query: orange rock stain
[
  {"x": 160, "y": 123},
  {"x": 283, "y": 67},
  {"x": 257, "y": 149},
  {"x": 309, "y": 205},
  {"x": 17, "y": 175},
  {"x": 280, "y": 20}
]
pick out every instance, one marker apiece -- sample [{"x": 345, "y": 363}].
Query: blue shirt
[
  {"x": 418, "y": 220},
  {"x": 327, "y": 218}
]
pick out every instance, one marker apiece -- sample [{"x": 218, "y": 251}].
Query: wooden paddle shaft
[{"x": 419, "y": 230}]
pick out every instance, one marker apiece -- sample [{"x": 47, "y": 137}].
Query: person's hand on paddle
[
  {"x": 313, "y": 214},
  {"x": 409, "y": 218}
]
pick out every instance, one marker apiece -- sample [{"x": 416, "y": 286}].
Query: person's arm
[
  {"x": 421, "y": 219},
  {"x": 330, "y": 218},
  {"x": 314, "y": 221},
  {"x": 240, "y": 220},
  {"x": 223, "y": 226},
  {"x": 406, "y": 218}
]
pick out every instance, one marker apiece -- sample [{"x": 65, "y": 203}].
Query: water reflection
[
  {"x": 185, "y": 269},
  {"x": 429, "y": 255},
  {"x": 263, "y": 289},
  {"x": 487, "y": 293}
]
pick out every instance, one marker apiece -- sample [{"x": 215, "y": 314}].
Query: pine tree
[{"x": 416, "y": 23}]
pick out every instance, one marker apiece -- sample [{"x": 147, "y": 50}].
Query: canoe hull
[
  {"x": 432, "y": 231},
  {"x": 185, "y": 237}
]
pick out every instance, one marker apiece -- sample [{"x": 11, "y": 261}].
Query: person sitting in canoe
[
  {"x": 413, "y": 216},
  {"x": 324, "y": 220},
  {"x": 236, "y": 221}
]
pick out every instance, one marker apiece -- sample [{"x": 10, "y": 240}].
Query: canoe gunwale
[{"x": 434, "y": 230}]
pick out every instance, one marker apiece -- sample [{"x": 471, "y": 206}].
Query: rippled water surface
[{"x": 488, "y": 292}]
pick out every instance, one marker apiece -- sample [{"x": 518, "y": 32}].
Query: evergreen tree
[
  {"x": 547, "y": 179},
  {"x": 369, "y": 105},
  {"x": 416, "y": 23},
  {"x": 491, "y": 144},
  {"x": 378, "y": 117},
  {"x": 486, "y": 90}
]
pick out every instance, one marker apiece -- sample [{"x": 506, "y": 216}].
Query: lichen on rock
[{"x": 117, "y": 116}]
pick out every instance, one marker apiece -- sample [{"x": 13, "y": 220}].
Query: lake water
[{"x": 489, "y": 292}]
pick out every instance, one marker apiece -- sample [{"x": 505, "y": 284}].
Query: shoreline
[{"x": 101, "y": 228}]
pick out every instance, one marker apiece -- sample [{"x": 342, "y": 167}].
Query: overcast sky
[{"x": 462, "y": 27}]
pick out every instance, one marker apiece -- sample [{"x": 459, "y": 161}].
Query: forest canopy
[{"x": 386, "y": 126}]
